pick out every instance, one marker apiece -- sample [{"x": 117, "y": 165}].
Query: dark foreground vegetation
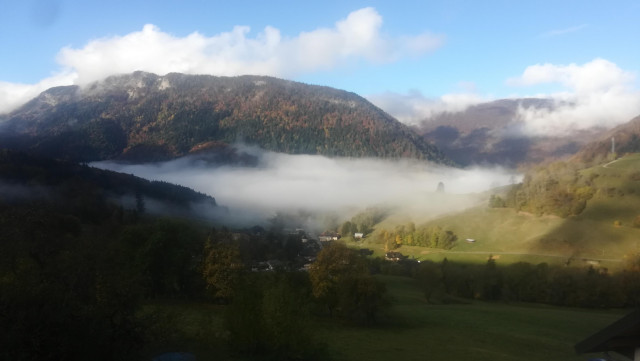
[
  {"x": 111, "y": 287},
  {"x": 82, "y": 277},
  {"x": 72, "y": 288}
]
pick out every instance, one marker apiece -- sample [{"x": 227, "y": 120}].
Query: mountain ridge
[
  {"x": 491, "y": 133},
  {"x": 173, "y": 115},
  {"x": 626, "y": 139}
]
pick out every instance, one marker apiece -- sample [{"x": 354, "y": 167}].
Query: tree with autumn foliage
[
  {"x": 341, "y": 282},
  {"x": 222, "y": 265}
]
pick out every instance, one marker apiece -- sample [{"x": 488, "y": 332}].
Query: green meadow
[
  {"x": 607, "y": 231},
  {"x": 412, "y": 330},
  {"x": 472, "y": 331}
]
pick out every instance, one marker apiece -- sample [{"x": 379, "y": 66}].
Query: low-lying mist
[{"x": 319, "y": 185}]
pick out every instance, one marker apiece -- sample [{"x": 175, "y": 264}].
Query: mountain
[
  {"x": 626, "y": 139},
  {"x": 490, "y": 133},
  {"x": 92, "y": 193},
  {"x": 145, "y": 117}
]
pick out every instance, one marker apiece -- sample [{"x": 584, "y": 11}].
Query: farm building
[
  {"x": 394, "y": 256},
  {"x": 328, "y": 236}
]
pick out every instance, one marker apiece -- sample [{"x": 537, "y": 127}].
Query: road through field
[{"x": 529, "y": 254}]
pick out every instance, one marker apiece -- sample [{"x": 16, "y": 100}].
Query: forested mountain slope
[
  {"x": 626, "y": 139},
  {"x": 90, "y": 192},
  {"x": 146, "y": 117}
]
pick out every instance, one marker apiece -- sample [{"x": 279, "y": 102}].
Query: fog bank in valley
[{"x": 320, "y": 185}]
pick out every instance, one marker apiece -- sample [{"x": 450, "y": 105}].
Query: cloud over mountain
[
  {"x": 413, "y": 107},
  {"x": 358, "y": 37},
  {"x": 598, "y": 94},
  {"x": 595, "y": 94}
]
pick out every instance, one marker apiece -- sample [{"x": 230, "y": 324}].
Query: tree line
[
  {"x": 560, "y": 285},
  {"x": 424, "y": 236}
]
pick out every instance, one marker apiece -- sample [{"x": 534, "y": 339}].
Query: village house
[
  {"x": 394, "y": 256},
  {"x": 328, "y": 236}
]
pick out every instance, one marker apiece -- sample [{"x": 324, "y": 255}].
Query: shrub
[{"x": 496, "y": 201}]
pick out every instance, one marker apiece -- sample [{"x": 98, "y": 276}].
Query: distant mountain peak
[{"x": 494, "y": 133}]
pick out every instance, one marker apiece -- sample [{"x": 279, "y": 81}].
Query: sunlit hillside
[{"x": 606, "y": 231}]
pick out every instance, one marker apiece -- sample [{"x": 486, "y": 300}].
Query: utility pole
[{"x": 613, "y": 145}]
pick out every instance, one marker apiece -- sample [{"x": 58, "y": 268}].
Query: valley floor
[
  {"x": 473, "y": 331},
  {"x": 416, "y": 330}
]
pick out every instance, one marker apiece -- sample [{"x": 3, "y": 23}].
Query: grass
[
  {"x": 603, "y": 231},
  {"x": 186, "y": 326},
  {"x": 477, "y": 331},
  {"x": 413, "y": 330}
]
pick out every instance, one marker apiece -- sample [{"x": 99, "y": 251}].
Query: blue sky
[{"x": 412, "y": 58}]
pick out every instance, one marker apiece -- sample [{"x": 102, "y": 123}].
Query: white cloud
[
  {"x": 596, "y": 75},
  {"x": 413, "y": 108},
  {"x": 597, "y": 94},
  {"x": 12, "y": 95},
  {"x": 357, "y": 37}
]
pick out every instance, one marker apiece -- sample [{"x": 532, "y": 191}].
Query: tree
[
  {"x": 140, "y": 206},
  {"x": 495, "y": 201},
  {"x": 345, "y": 230},
  {"x": 243, "y": 318},
  {"x": 411, "y": 227},
  {"x": 222, "y": 268},
  {"x": 362, "y": 297},
  {"x": 333, "y": 264},
  {"x": 433, "y": 238},
  {"x": 429, "y": 276},
  {"x": 491, "y": 280},
  {"x": 340, "y": 281},
  {"x": 64, "y": 295},
  {"x": 446, "y": 239},
  {"x": 398, "y": 240},
  {"x": 270, "y": 317},
  {"x": 390, "y": 243},
  {"x": 172, "y": 251},
  {"x": 286, "y": 320}
]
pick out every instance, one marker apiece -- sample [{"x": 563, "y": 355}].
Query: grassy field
[
  {"x": 413, "y": 330},
  {"x": 477, "y": 331},
  {"x": 180, "y": 326},
  {"x": 416, "y": 330},
  {"x": 604, "y": 231}
]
